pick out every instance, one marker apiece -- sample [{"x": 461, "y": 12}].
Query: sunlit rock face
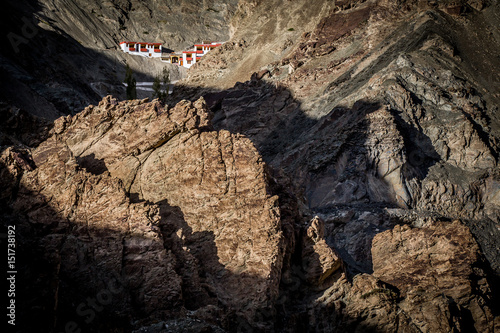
[
  {"x": 202, "y": 229},
  {"x": 440, "y": 259}
]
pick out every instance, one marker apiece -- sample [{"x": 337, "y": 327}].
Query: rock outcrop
[
  {"x": 217, "y": 180},
  {"x": 381, "y": 104},
  {"x": 440, "y": 274},
  {"x": 202, "y": 233},
  {"x": 429, "y": 279},
  {"x": 319, "y": 260}
]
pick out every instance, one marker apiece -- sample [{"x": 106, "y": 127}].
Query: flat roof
[
  {"x": 208, "y": 45},
  {"x": 141, "y": 43}
]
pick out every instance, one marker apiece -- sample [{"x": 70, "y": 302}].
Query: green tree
[
  {"x": 131, "y": 83},
  {"x": 157, "y": 91},
  {"x": 161, "y": 85}
]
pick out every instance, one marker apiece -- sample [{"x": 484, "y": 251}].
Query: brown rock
[
  {"x": 218, "y": 181},
  {"x": 436, "y": 269},
  {"x": 364, "y": 305},
  {"x": 319, "y": 260},
  {"x": 212, "y": 205},
  {"x": 91, "y": 235},
  {"x": 13, "y": 162}
]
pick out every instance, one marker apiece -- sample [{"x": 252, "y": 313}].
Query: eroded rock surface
[
  {"x": 440, "y": 273},
  {"x": 320, "y": 260},
  {"x": 382, "y": 113},
  {"x": 315, "y": 196},
  {"x": 203, "y": 235},
  {"x": 429, "y": 279}
]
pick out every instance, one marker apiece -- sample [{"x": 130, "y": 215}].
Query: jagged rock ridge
[{"x": 203, "y": 234}]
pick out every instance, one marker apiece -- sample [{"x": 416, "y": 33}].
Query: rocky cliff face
[
  {"x": 440, "y": 260},
  {"x": 382, "y": 113},
  {"x": 348, "y": 182},
  {"x": 381, "y": 103},
  {"x": 202, "y": 234}
]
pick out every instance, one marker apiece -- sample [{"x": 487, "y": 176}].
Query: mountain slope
[
  {"x": 336, "y": 169},
  {"x": 61, "y": 56},
  {"x": 384, "y": 113},
  {"x": 431, "y": 146}
]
